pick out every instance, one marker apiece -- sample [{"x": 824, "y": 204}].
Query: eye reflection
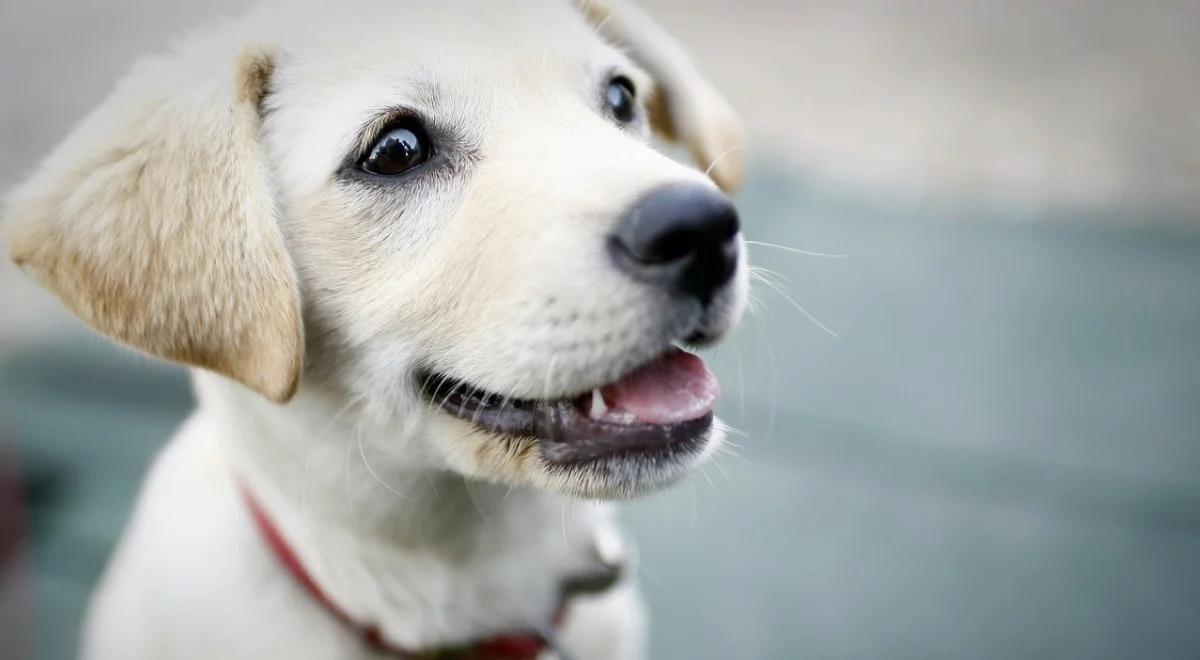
[
  {"x": 398, "y": 150},
  {"x": 620, "y": 99}
]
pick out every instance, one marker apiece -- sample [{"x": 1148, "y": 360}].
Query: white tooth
[{"x": 598, "y": 407}]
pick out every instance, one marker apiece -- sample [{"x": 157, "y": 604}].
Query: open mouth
[{"x": 660, "y": 408}]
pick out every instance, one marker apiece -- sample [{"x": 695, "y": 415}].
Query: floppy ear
[
  {"x": 155, "y": 221},
  {"x": 685, "y": 107}
]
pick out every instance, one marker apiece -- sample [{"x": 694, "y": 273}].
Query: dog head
[{"x": 448, "y": 214}]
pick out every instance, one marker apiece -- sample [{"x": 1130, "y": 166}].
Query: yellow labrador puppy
[{"x": 433, "y": 282}]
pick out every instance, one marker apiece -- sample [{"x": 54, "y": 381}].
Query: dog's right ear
[
  {"x": 684, "y": 106},
  {"x": 156, "y": 222}
]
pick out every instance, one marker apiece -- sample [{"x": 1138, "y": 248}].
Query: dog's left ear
[
  {"x": 685, "y": 106},
  {"x": 156, "y": 222}
]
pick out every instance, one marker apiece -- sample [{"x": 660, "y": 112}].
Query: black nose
[{"x": 679, "y": 238}]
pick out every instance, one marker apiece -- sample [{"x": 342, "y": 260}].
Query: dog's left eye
[
  {"x": 619, "y": 97},
  {"x": 398, "y": 150}
]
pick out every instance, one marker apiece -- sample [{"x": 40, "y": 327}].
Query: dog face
[{"x": 450, "y": 215}]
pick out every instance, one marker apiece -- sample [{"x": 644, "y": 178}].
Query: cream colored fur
[
  {"x": 156, "y": 223},
  {"x": 204, "y": 214}
]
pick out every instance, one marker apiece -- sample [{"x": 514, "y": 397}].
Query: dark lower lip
[{"x": 567, "y": 436}]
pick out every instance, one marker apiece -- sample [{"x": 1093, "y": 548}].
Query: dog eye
[
  {"x": 620, "y": 99},
  {"x": 398, "y": 150}
]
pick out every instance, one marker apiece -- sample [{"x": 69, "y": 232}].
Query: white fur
[{"x": 204, "y": 205}]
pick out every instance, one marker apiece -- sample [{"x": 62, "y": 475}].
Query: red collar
[{"x": 521, "y": 646}]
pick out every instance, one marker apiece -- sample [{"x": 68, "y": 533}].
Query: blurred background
[{"x": 997, "y": 455}]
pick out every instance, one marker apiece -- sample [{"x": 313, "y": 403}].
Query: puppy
[{"x": 431, "y": 279}]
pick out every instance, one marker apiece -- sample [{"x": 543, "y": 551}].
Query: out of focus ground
[{"x": 996, "y": 458}]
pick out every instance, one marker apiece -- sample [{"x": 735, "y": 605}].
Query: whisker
[
  {"x": 755, "y": 305},
  {"x": 807, "y": 253},
  {"x": 475, "y": 502},
  {"x": 766, "y": 274},
  {"x": 720, "y": 468},
  {"x": 371, "y": 470},
  {"x": 429, "y": 480},
  {"x": 726, "y": 451},
  {"x": 741, "y": 381},
  {"x": 803, "y": 311},
  {"x": 462, "y": 405},
  {"x": 647, "y": 574},
  {"x": 726, "y": 428},
  {"x": 563, "y": 510},
  {"x": 449, "y": 394},
  {"x": 716, "y": 160},
  {"x": 695, "y": 505},
  {"x": 346, "y": 476},
  {"x": 432, "y": 405},
  {"x": 312, "y": 450},
  {"x": 487, "y": 397},
  {"x": 508, "y": 398},
  {"x": 766, "y": 342}
]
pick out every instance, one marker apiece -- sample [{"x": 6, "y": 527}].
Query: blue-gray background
[{"x": 998, "y": 455}]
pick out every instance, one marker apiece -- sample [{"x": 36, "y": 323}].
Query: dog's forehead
[
  {"x": 468, "y": 62},
  {"x": 390, "y": 45}
]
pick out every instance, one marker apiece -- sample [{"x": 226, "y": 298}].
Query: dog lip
[
  {"x": 566, "y": 433},
  {"x": 571, "y": 438},
  {"x": 487, "y": 410}
]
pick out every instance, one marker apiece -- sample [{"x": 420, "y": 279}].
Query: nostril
[
  {"x": 672, "y": 245},
  {"x": 679, "y": 238}
]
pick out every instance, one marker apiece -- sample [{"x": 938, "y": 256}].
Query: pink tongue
[{"x": 677, "y": 387}]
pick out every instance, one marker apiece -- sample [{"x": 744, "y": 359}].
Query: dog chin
[
  {"x": 628, "y": 477},
  {"x": 521, "y": 462}
]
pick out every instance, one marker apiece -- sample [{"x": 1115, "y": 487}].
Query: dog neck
[{"x": 429, "y": 557}]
